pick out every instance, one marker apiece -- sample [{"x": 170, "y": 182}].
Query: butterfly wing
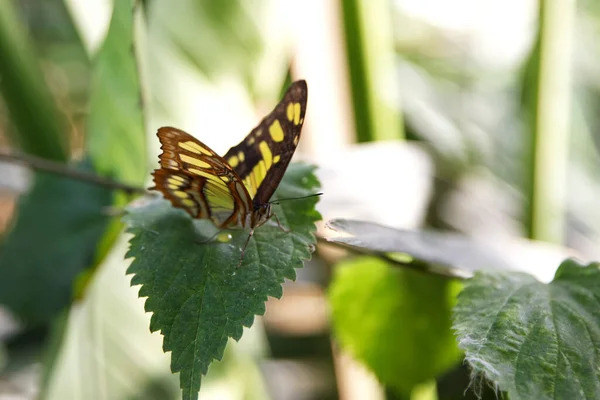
[
  {"x": 196, "y": 179},
  {"x": 261, "y": 159}
]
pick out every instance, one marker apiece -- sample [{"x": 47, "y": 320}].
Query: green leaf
[
  {"x": 534, "y": 340},
  {"x": 213, "y": 36},
  {"x": 115, "y": 127},
  {"x": 40, "y": 128},
  {"x": 53, "y": 239},
  {"x": 396, "y": 321},
  {"x": 198, "y": 296},
  {"x": 103, "y": 344},
  {"x": 443, "y": 249}
]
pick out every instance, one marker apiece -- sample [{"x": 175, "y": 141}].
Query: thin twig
[{"x": 53, "y": 167}]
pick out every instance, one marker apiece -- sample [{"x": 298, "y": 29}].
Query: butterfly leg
[
  {"x": 244, "y": 248},
  {"x": 279, "y": 223}
]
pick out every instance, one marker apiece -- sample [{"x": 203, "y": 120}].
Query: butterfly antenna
[{"x": 295, "y": 198}]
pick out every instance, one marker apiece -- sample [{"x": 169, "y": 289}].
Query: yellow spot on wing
[
  {"x": 180, "y": 194},
  {"x": 260, "y": 171},
  {"x": 249, "y": 187},
  {"x": 217, "y": 199},
  {"x": 251, "y": 140},
  {"x": 296, "y": 113},
  {"x": 173, "y": 187},
  {"x": 266, "y": 154},
  {"x": 194, "y": 161},
  {"x": 296, "y": 140},
  {"x": 241, "y": 156},
  {"x": 175, "y": 178},
  {"x": 172, "y": 181},
  {"x": 276, "y": 159},
  {"x": 276, "y": 131},
  {"x": 253, "y": 181},
  {"x": 233, "y": 161},
  {"x": 189, "y": 203},
  {"x": 290, "y": 111},
  {"x": 211, "y": 177},
  {"x": 194, "y": 148}
]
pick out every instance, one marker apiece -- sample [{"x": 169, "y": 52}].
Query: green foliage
[
  {"x": 534, "y": 340},
  {"x": 395, "y": 321},
  {"x": 60, "y": 223},
  {"x": 40, "y": 129},
  {"x": 62, "y": 218},
  {"x": 54, "y": 237},
  {"x": 444, "y": 253},
  {"x": 115, "y": 127},
  {"x": 226, "y": 36},
  {"x": 198, "y": 296}
]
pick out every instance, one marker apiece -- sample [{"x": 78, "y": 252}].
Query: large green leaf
[
  {"x": 397, "y": 322},
  {"x": 54, "y": 237},
  {"x": 446, "y": 253},
  {"x": 534, "y": 340},
  {"x": 198, "y": 296},
  {"x": 115, "y": 127},
  {"x": 104, "y": 346}
]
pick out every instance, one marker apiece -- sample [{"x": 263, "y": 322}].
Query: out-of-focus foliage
[
  {"x": 65, "y": 219},
  {"x": 115, "y": 127},
  {"x": 38, "y": 127},
  {"x": 62, "y": 217},
  {"x": 370, "y": 49},
  {"x": 226, "y": 38},
  {"x": 397, "y": 322}
]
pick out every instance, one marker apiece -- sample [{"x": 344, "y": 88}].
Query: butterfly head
[{"x": 262, "y": 212}]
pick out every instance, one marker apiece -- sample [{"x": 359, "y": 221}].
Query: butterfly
[{"x": 232, "y": 191}]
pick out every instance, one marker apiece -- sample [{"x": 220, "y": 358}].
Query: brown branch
[{"x": 53, "y": 167}]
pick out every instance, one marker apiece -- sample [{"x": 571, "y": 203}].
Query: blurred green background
[{"x": 473, "y": 116}]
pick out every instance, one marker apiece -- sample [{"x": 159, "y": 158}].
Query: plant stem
[
  {"x": 368, "y": 26},
  {"x": 551, "y": 121},
  {"x": 53, "y": 167}
]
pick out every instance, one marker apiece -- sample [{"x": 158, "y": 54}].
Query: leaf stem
[{"x": 53, "y": 167}]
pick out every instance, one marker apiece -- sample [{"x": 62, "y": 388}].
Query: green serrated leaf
[
  {"x": 397, "y": 322},
  {"x": 534, "y": 340},
  {"x": 198, "y": 296},
  {"x": 53, "y": 239}
]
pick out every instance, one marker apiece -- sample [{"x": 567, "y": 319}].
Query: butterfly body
[{"x": 232, "y": 191}]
